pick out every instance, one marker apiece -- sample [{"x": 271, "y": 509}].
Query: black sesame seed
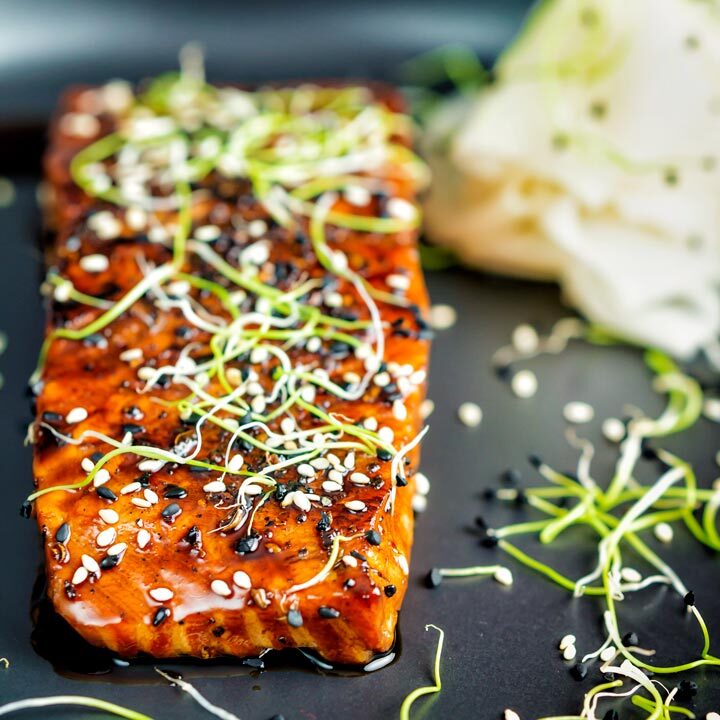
[
  {"x": 373, "y": 537},
  {"x": 52, "y": 417},
  {"x": 390, "y": 590},
  {"x": 358, "y": 556},
  {"x": 63, "y": 533},
  {"x": 294, "y": 618},
  {"x": 521, "y": 498},
  {"x": 161, "y": 614},
  {"x": 535, "y": 460},
  {"x": 686, "y": 690},
  {"x": 488, "y": 494},
  {"x": 384, "y": 454},
  {"x": 174, "y": 492},
  {"x": 349, "y": 583},
  {"x": 630, "y": 639},
  {"x": 400, "y": 481},
  {"x": 608, "y": 676},
  {"x": 247, "y": 544},
  {"x": 254, "y": 663},
  {"x": 96, "y": 457},
  {"x": 578, "y": 671},
  {"x": 689, "y": 599},
  {"x": 489, "y": 541},
  {"x": 480, "y": 522},
  {"x": 109, "y": 562},
  {"x": 323, "y": 524},
  {"x": 511, "y": 476},
  {"x": 26, "y": 509},
  {"x": 70, "y": 591},
  {"x": 132, "y": 428},
  {"x": 193, "y": 535},
  {"x": 433, "y": 578},
  {"x": 106, "y": 493},
  {"x": 171, "y": 512},
  {"x": 328, "y": 613}
]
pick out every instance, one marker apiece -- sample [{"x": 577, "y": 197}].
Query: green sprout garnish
[
  {"x": 76, "y": 701},
  {"x": 428, "y": 689}
]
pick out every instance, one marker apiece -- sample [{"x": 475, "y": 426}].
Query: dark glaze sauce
[{"x": 54, "y": 639}]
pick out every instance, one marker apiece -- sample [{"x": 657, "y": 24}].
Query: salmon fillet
[{"x": 229, "y": 399}]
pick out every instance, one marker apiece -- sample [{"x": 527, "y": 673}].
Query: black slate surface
[{"x": 501, "y": 642}]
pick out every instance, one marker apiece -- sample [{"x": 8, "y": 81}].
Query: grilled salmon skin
[{"x": 229, "y": 394}]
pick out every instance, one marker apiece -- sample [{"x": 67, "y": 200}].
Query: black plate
[{"x": 501, "y": 643}]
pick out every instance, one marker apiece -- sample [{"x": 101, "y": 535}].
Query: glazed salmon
[{"x": 229, "y": 402}]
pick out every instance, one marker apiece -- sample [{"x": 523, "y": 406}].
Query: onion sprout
[{"x": 428, "y": 689}]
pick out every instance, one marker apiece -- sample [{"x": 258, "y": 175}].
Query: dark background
[{"x": 501, "y": 643}]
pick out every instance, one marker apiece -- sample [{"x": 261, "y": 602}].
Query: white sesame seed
[
  {"x": 94, "y": 263},
  {"x": 712, "y": 716},
  {"x": 524, "y": 383},
  {"x": 131, "y": 354},
  {"x": 235, "y": 463},
  {"x": 145, "y": 373},
  {"x": 258, "y": 404},
  {"x": 422, "y": 484},
  {"x": 613, "y": 430},
  {"x": 330, "y": 486},
  {"x": 141, "y": 503},
  {"x": 630, "y": 575},
  {"x": 150, "y": 466},
  {"x": 81, "y": 125},
  {"x": 664, "y": 532},
  {"x": 403, "y": 563},
  {"x": 386, "y": 434},
  {"x": 382, "y": 379},
  {"x": 320, "y": 463},
  {"x": 252, "y": 489},
  {"x": 79, "y": 576},
  {"x": 357, "y": 195},
  {"x": 335, "y": 475},
  {"x": 313, "y": 344},
  {"x": 90, "y": 564},
  {"x": 161, "y": 594},
  {"x": 179, "y": 288},
  {"x": 306, "y": 470},
  {"x": 442, "y": 317},
  {"x": 577, "y": 412},
  {"x": 525, "y": 339},
  {"x": 108, "y": 515},
  {"x": 356, "y": 506},
  {"x": 117, "y": 549},
  {"x": 242, "y": 579},
  {"x": 220, "y": 587},
  {"x": 711, "y": 409},
  {"x": 301, "y": 501},
  {"x": 143, "y": 538},
  {"x": 510, "y": 715},
  {"x": 76, "y": 415},
  {"x": 350, "y": 560},
  {"x": 359, "y": 478},
  {"x": 136, "y": 218},
  {"x": 399, "y": 410},
  {"x": 569, "y": 653},
  {"x": 101, "y": 477},
  {"x": 87, "y": 464},
  {"x": 566, "y": 641},
  {"x": 151, "y": 496},
  {"x": 207, "y": 233},
  {"x": 214, "y": 486},
  {"x": 427, "y": 408},
  {"x": 257, "y": 228},
  {"x": 398, "y": 282},
  {"x": 371, "y": 424},
  {"x": 130, "y": 488},
  {"x": 418, "y": 377},
  {"x": 419, "y": 503},
  {"x": 255, "y": 254},
  {"x": 401, "y": 209},
  {"x": 259, "y": 355},
  {"x": 349, "y": 460},
  {"x": 287, "y": 425},
  {"x": 470, "y": 414},
  {"x": 105, "y": 225},
  {"x": 504, "y": 576},
  {"x": 333, "y": 299}
]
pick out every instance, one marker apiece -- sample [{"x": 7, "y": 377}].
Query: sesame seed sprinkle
[
  {"x": 470, "y": 414},
  {"x": 220, "y": 587}
]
